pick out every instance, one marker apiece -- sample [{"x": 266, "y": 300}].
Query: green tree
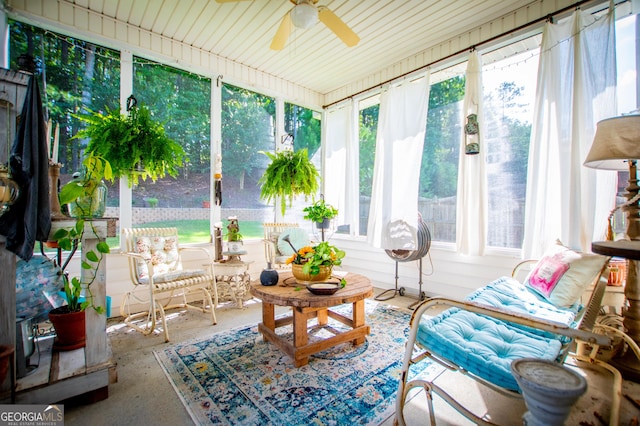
[
  {"x": 182, "y": 101},
  {"x": 300, "y": 123},
  {"x": 438, "y": 174},
  {"x": 368, "y": 132},
  {"x": 76, "y": 75},
  {"x": 248, "y": 122}
]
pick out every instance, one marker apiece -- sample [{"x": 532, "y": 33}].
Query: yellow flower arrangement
[{"x": 311, "y": 258}]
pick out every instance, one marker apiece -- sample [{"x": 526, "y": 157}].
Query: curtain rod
[{"x": 575, "y": 5}]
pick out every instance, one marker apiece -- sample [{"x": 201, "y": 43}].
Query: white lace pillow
[{"x": 162, "y": 251}]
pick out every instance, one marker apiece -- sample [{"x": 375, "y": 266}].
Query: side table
[
  {"x": 233, "y": 281},
  {"x": 629, "y": 364}
]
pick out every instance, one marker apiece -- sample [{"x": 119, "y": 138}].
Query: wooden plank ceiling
[{"x": 389, "y": 31}]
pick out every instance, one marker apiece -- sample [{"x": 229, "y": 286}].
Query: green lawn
[{"x": 197, "y": 231}]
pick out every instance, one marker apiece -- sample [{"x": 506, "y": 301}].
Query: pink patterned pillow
[
  {"x": 562, "y": 275},
  {"x": 547, "y": 273}
]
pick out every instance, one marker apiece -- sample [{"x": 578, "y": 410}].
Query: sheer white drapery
[
  {"x": 393, "y": 216},
  {"x": 341, "y": 165},
  {"x": 471, "y": 220},
  {"x": 576, "y": 89}
]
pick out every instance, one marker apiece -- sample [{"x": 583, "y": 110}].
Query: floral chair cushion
[{"x": 163, "y": 253}]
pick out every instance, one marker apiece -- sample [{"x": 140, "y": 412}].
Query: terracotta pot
[
  {"x": 70, "y": 329},
  {"x": 302, "y": 278},
  {"x": 5, "y": 354}
]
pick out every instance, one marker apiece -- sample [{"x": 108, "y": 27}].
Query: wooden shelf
[{"x": 63, "y": 375}]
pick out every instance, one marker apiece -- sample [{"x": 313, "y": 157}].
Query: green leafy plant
[
  {"x": 319, "y": 211},
  {"x": 312, "y": 257},
  {"x": 68, "y": 239},
  {"x": 290, "y": 173},
  {"x": 135, "y": 145},
  {"x": 151, "y": 201},
  {"x": 83, "y": 191}
]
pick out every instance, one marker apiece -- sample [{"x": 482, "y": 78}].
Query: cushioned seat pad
[
  {"x": 486, "y": 346},
  {"x": 483, "y": 346},
  {"x": 509, "y": 293}
]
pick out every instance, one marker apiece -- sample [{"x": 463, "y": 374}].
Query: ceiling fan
[{"x": 305, "y": 14}]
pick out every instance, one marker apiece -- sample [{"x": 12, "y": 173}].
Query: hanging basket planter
[{"x": 134, "y": 144}]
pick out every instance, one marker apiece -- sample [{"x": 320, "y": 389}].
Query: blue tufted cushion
[
  {"x": 509, "y": 293},
  {"x": 483, "y": 346}
]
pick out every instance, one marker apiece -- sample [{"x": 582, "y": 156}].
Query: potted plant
[
  {"x": 234, "y": 238},
  {"x": 86, "y": 194},
  {"x": 290, "y": 173},
  {"x": 315, "y": 263},
  {"x": 135, "y": 145},
  {"x": 69, "y": 320},
  {"x": 321, "y": 213}
]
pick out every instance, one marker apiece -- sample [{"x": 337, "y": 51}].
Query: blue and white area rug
[{"x": 235, "y": 378}]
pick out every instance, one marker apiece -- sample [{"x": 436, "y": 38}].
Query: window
[
  {"x": 368, "y": 130},
  {"x": 439, "y": 172},
  {"x": 80, "y": 77},
  {"x": 509, "y": 95},
  {"x": 304, "y": 125},
  {"x": 182, "y": 102},
  {"x": 248, "y": 127},
  {"x": 627, "y": 57}
]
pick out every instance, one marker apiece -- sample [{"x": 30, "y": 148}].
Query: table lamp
[{"x": 616, "y": 142}]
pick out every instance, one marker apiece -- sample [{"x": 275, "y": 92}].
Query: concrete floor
[{"x": 143, "y": 395}]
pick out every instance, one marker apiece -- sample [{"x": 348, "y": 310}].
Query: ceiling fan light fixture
[{"x": 304, "y": 15}]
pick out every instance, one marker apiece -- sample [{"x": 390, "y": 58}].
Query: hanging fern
[
  {"x": 289, "y": 174},
  {"x": 135, "y": 145}
]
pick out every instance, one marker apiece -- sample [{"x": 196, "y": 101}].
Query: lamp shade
[
  {"x": 304, "y": 15},
  {"x": 617, "y": 140}
]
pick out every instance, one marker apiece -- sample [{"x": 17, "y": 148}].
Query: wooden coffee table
[{"x": 305, "y": 306}]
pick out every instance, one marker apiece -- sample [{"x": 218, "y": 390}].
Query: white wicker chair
[
  {"x": 156, "y": 271},
  {"x": 272, "y": 252}
]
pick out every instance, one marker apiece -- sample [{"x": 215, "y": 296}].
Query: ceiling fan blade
[
  {"x": 280, "y": 39},
  {"x": 336, "y": 25}
]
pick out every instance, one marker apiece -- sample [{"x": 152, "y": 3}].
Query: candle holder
[{"x": 54, "y": 180}]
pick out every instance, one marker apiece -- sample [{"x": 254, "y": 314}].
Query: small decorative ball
[{"x": 269, "y": 277}]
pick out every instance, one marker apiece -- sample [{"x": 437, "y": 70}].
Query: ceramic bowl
[{"x": 323, "y": 288}]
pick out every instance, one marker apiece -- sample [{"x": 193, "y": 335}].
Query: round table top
[
  {"x": 288, "y": 293},
  {"x": 621, "y": 248}
]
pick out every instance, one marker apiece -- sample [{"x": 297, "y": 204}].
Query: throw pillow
[
  {"x": 162, "y": 251},
  {"x": 298, "y": 237},
  {"x": 562, "y": 274}
]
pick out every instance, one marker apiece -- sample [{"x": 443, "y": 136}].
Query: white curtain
[
  {"x": 471, "y": 220},
  {"x": 576, "y": 89},
  {"x": 340, "y": 182},
  {"x": 393, "y": 216}
]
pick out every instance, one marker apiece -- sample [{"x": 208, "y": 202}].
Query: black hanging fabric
[{"x": 29, "y": 218}]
